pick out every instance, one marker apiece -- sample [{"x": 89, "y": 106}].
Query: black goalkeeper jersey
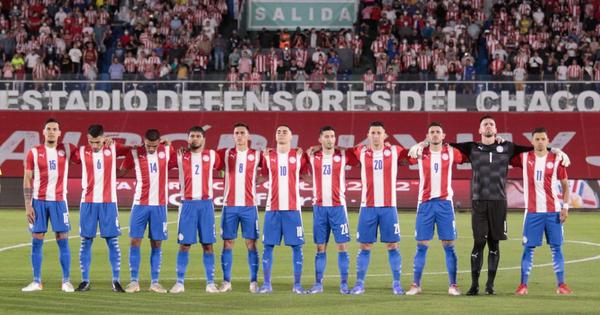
[{"x": 490, "y": 167}]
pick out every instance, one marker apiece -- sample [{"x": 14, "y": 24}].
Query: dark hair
[
  {"x": 376, "y": 124},
  {"x": 434, "y": 124},
  {"x": 241, "y": 124},
  {"x": 95, "y": 130},
  {"x": 326, "y": 128},
  {"x": 196, "y": 129},
  {"x": 539, "y": 130},
  {"x": 282, "y": 125},
  {"x": 152, "y": 134},
  {"x": 486, "y": 117},
  {"x": 51, "y": 120}
]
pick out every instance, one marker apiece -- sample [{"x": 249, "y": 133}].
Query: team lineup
[{"x": 283, "y": 168}]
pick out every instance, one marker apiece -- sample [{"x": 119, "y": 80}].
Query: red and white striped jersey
[
  {"x": 540, "y": 179},
  {"x": 261, "y": 62},
  {"x": 50, "y": 167},
  {"x": 196, "y": 174},
  {"x": 369, "y": 82},
  {"x": 240, "y": 176},
  {"x": 99, "y": 172},
  {"x": 329, "y": 180},
  {"x": 435, "y": 172},
  {"x": 284, "y": 171},
  {"x": 151, "y": 173},
  {"x": 379, "y": 170},
  {"x": 574, "y": 71}
]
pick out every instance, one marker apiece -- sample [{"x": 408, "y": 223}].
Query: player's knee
[
  {"x": 447, "y": 243},
  {"x": 39, "y": 236},
  {"x": 136, "y": 242},
  {"x": 366, "y": 246},
  {"x": 391, "y": 246},
  {"x": 479, "y": 243},
  {"x": 342, "y": 247},
  {"x": 62, "y": 235},
  {"x": 425, "y": 243},
  {"x": 251, "y": 245},
  {"x": 228, "y": 244},
  {"x": 184, "y": 247},
  {"x": 155, "y": 244},
  {"x": 321, "y": 248},
  {"x": 207, "y": 248}
]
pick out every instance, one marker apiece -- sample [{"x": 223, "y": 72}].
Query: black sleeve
[
  {"x": 464, "y": 147},
  {"x": 518, "y": 149}
]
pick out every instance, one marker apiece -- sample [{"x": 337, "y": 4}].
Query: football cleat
[
  {"x": 454, "y": 290},
  {"x": 563, "y": 289},
  {"x": 156, "y": 287},
  {"x": 133, "y": 287},
  {"x": 265, "y": 289},
  {"x": 298, "y": 289},
  {"x": 414, "y": 289},
  {"x": 34, "y": 286},
  {"x": 358, "y": 289},
  {"x": 83, "y": 286},
  {"x": 316, "y": 288},
  {"x": 212, "y": 288},
  {"x": 522, "y": 289},
  {"x": 177, "y": 288},
  {"x": 67, "y": 287},
  {"x": 344, "y": 288},
  {"x": 225, "y": 287},
  {"x": 397, "y": 288},
  {"x": 116, "y": 287},
  {"x": 253, "y": 287}
]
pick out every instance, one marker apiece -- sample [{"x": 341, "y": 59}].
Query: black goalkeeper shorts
[{"x": 488, "y": 220}]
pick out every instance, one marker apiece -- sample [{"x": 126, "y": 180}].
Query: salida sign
[{"x": 575, "y": 133}]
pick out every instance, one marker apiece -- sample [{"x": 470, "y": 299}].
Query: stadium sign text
[
  {"x": 327, "y": 100},
  {"x": 278, "y": 14}
]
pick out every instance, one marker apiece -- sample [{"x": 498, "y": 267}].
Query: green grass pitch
[{"x": 582, "y": 253}]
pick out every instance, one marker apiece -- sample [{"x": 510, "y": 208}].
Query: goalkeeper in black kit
[{"x": 489, "y": 159}]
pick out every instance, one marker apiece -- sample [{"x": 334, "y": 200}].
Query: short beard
[{"x": 195, "y": 147}]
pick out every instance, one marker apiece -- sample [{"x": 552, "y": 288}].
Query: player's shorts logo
[
  {"x": 337, "y": 159},
  {"x": 445, "y": 157},
  {"x": 524, "y": 239},
  {"x": 61, "y": 153},
  {"x": 251, "y": 157},
  {"x": 387, "y": 153},
  {"x": 500, "y": 149},
  {"x": 292, "y": 160},
  {"x": 205, "y": 158},
  {"x": 107, "y": 152},
  {"x": 550, "y": 165},
  {"x": 161, "y": 155},
  {"x": 180, "y": 237}
]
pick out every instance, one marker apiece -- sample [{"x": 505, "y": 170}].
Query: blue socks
[
  {"x": 320, "y": 264},
  {"x": 155, "y": 261},
  {"x": 343, "y": 266},
  {"x": 451, "y": 263},
  {"x": 558, "y": 262},
  {"x": 526, "y": 263},
  {"x": 395, "y": 263},
  {"x": 182, "y": 262},
  {"x": 114, "y": 256},
  {"x": 267, "y": 263},
  {"x": 253, "y": 264},
  {"x": 226, "y": 262},
  {"x": 362, "y": 265},
  {"x": 297, "y": 259},
  {"x": 85, "y": 258},
  {"x": 36, "y": 259},
  {"x": 209, "y": 267},
  {"x": 65, "y": 258},
  {"x": 134, "y": 262},
  {"x": 419, "y": 263}
]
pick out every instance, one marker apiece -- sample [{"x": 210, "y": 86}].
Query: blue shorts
[
  {"x": 538, "y": 224},
  {"x": 435, "y": 212},
  {"x": 232, "y": 217},
  {"x": 286, "y": 224},
  {"x": 196, "y": 219},
  {"x": 56, "y": 211},
  {"x": 154, "y": 216},
  {"x": 92, "y": 213},
  {"x": 326, "y": 219},
  {"x": 386, "y": 218}
]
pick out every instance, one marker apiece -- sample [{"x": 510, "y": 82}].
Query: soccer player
[
  {"x": 379, "y": 167},
  {"x": 435, "y": 206},
  {"x": 196, "y": 213},
  {"x": 99, "y": 203},
  {"x": 151, "y": 163},
  {"x": 240, "y": 204},
  {"x": 45, "y": 194},
  {"x": 329, "y": 206},
  {"x": 283, "y": 218},
  {"x": 542, "y": 170}
]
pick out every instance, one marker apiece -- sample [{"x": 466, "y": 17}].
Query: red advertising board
[{"x": 575, "y": 133}]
